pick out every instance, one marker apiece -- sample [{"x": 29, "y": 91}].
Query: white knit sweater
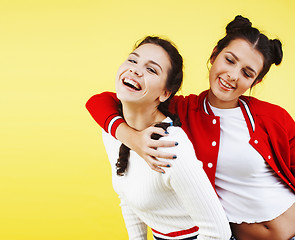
[{"x": 180, "y": 204}]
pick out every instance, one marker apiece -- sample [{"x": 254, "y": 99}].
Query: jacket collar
[{"x": 244, "y": 105}]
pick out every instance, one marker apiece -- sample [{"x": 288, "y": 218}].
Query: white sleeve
[
  {"x": 191, "y": 184},
  {"x": 137, "y": 230}
]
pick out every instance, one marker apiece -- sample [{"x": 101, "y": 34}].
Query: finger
[
  {"x": 155, "y": 167},
  {"x": 157, "y": 130},
  {"x": 162, "y": 155},
  {"x": 156, "y": 163},
  {"x": 162, "y": 143}
]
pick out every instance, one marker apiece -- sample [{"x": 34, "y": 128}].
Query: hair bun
[
  {"x": 277, "y": 51},
  {"x": 238, "y": 24}
]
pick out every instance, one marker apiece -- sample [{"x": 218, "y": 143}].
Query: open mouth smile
[{"x": 131, "y": 83}]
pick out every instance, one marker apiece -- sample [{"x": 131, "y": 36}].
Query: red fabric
[
  {"x": 178, "y": 233},
  {"x": 273, "y": 138}
]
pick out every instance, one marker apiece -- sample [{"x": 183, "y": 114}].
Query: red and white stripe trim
[{"x": 187, "y": 234}]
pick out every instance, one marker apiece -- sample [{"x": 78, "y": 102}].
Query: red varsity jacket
[{"x": 271, "y": 128}]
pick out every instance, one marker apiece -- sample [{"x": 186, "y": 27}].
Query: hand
[{"x": 146, "y": 147}]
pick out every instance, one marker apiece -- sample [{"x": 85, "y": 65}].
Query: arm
[
  {"x": 104, "y": 109},
  {"x": 137, "y": 230},
  {"x": 192, "y": 186}
]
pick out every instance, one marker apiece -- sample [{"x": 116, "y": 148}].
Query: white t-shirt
[{"x": 248, "y": 188}]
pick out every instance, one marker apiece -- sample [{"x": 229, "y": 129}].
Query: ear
[
  {"x": 165, "y": 95},
  {"x": 213, "y": 55}
]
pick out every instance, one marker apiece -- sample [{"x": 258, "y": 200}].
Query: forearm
[{"x": 127, "y": 135}]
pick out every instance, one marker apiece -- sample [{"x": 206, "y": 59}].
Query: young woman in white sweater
[{"x": 180, "y": 204}]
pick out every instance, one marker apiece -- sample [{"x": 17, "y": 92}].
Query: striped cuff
[{"x": 112, "y": 125}]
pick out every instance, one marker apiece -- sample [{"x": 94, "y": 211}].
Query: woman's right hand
[{"x": 142, "y": 143}]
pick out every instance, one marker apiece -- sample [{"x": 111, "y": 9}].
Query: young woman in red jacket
[{"x": 247, "y": 146}]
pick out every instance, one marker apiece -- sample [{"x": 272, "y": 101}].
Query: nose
[
  {"x": 136, "y": 71},
  {"x": 233, "y": 75}
]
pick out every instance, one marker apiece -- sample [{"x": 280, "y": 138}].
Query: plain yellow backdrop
[{"x": 55, "y": 178}]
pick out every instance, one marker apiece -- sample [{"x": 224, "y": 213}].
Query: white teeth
[
  {"x": 225, "y": 83},
  {"x": 132, "y": 83}
]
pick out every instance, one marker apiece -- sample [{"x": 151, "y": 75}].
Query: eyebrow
[
  {"x": 236, "y": 57},
  {"x": 150, "y": 61}
]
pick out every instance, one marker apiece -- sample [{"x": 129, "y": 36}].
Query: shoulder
[
  {"x": 190, "y": 98},
  {"x": 184, "y": 150},
  {"x": 176, "y": 134},
  {"x": 266, "y": 109},
  {"x": 190, "y": 101},
  {"x": 269, "y": 114}
]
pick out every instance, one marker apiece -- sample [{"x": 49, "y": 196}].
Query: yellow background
[{"x": 54, "y": 175}]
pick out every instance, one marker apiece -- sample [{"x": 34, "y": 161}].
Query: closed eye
[
  {"x": 152, "y": 70},
  {"x": 247, "y": 74},
  {"x": 132, "y": 61},
  {"x": 229, "y": 60}
]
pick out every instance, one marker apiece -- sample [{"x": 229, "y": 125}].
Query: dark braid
[
  {"x": 124, "y": 151},
  {"x": 122, "y": 161}
]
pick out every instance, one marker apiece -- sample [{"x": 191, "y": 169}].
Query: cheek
[
  {"x": 245, "y": 85},
  {"x": 122, "y": 69},
  {"x": 214, "y": 70},
  {"x": 156, "y": 84}
]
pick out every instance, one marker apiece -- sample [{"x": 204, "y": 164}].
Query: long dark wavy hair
[{"x": 173, "y": 84}]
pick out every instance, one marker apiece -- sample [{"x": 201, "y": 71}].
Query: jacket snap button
[
  {"x": 213, "y": 143},
  {"x": 210, "y": 165},
  {"x": 214, "y": 121},
  {"x": 255, "y": 141}
]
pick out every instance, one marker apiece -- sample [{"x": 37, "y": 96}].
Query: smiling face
[
  {"x": 233, "y": 72},
  {"x": 141, "y": 79}
]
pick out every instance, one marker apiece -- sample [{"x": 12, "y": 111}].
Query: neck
[
  {"x": 140, "y": 118},
  {"x": 222, "y": 104}
]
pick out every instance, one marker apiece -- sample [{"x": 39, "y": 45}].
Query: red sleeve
[{"x": 103, "y": 108}]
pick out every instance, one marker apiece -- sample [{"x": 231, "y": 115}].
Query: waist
[{"x": 282, "y": 227}]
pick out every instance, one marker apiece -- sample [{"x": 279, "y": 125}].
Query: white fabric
[
  {"x": 248, "y": 188},
  {"x": 177, "y": 200}
]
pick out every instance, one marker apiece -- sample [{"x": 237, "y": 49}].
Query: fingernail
[
  {"x": 176, "y": 143},
  {"x": 168, "y": 165},
  {"x": 174, "y": 156},
  {"x": 166, "y": 132}
]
